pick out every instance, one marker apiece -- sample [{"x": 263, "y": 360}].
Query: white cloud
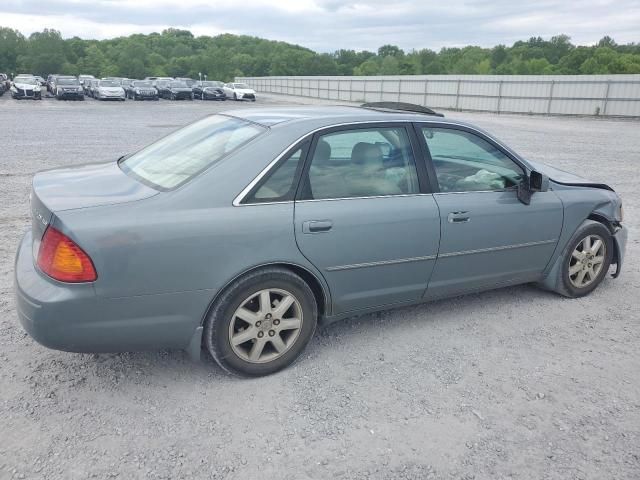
[{"x": 326, "y": 25}]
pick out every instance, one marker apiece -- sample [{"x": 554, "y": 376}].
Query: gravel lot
[{"x": 513, "y": 383}]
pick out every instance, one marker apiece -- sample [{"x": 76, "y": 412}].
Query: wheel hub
[{"x": 265, "y": 325}]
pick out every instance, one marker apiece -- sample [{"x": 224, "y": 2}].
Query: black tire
[
  {"x": 235, "y": 97},
  {"x": 217, "y": 324},
  {"x": 589, "y": 227}
]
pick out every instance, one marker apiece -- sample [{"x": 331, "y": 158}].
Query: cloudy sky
[{"x": 326, "y": 25}]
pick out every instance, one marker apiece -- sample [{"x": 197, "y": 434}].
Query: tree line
[{"x": 177, "y": 53}]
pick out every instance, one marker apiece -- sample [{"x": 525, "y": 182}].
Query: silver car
[{"x": 242, "y": 231}]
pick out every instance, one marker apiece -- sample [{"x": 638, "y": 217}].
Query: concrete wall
[{"x": 605, "y": 95}]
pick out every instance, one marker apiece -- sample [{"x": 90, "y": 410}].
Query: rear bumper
[{"x": 72, "y": 318}]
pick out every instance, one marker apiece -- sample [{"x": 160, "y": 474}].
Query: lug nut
[
  {"x": 260, "y": 334},
  {"x": 258, "y": 323},
  {"x": 276, "y": 322},
  {"x": 271, "y": 333},
  {"x": 268, "y": 316}
]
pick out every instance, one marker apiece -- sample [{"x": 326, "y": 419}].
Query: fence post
[
  {"x": 606, "y": 98},
  {"x": 553, "y": 82},
  {"x": 399, "y": 89},
  {"x": 458, "y": 95},
  {"x": 499, "y": 96},
  {"x": 426, "y": 91}
]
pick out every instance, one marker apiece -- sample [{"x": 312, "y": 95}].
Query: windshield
[
  {"x": 180, "y": 156},
  {"x": 109, "y": 83},
  {"x": 178, "y": 85},
  {"x": 26, "y": 80},
  {"x": 142, "y": 84},
  {"x": 68, "y": 81},
  {"x": 241, "y": 85}
]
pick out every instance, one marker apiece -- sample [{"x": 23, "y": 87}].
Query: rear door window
[{"x": 362, "y": 163}]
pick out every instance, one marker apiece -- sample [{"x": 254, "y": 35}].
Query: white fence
[{"x": 604, "y": 95}]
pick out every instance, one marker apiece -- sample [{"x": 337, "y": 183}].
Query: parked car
[
  {"x": 142, "y": 90},
  {"x": 174, "y": 90},
  {"x": 189, "y": 81},
  {"x": 193, "y": 240},
  {"x": 4, "y": 81},
  {"x": 126, "y": 83},
  {"x": 26, "y": 86},
  {"x": 155, "y": 80},
  {"x": 85, "y": 81},
  {"x": 91, "y": 87},
  {"x": 68, "y": 88},
  {"x": 57, "y": 79},
  {"x": 50, "y": 82},
  {"x": 239, "y": 91},
  {"x": 109, "y": 90},
  {"x": 209, "y": 90}
]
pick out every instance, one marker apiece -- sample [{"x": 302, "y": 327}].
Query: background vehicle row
[{"x": 65, "y": 87}]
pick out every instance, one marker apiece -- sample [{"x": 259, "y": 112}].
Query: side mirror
[
  {"x": 538, "y": 182},
  {"x": 534, "y": 182}
]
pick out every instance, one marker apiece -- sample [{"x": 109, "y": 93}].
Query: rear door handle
[
  {"x": 458, "y": 217},
  {"x": 316, "y": 226}
]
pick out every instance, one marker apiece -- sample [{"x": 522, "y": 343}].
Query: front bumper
[
  {"x": 146, "y": 95},
  {"x": 181, "y": 95},
  {"x": 213, "y": 96},
  {"x": 620, "y": 240},
  {"x": 26, "y": 94},
  {"x": 71, "y": 317},
  {"x": 73, "y": 95}
]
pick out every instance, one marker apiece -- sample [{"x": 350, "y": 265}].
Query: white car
[
  {"x": 109, "y": 90},
  {"x": 239, "y": 91},
  {"x": 26, "y": 86}
]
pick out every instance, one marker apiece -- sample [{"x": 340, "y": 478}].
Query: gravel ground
[{"x": 513, "y": 383}]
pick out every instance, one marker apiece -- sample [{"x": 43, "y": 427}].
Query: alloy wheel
[
  {"x": 587, "y": 260},
  {"x": 265, "y": 325}
]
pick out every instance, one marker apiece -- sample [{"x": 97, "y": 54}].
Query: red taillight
[{"x": 63, "y": 260}]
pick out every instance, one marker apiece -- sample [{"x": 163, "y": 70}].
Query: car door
[
  {"x": 489, "y": 238},
  {"x": 364, "y": 216}
]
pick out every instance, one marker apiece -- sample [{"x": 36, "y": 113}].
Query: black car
[
  {"x": 174, "y": 91},
  {"x": 209, "y": 91},
  {"x": 68, "y": 88},
  {"x": 141, "y": 90}
]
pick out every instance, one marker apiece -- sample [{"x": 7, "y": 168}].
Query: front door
[
  {"x": 489, "y": 238},
  {"x": 362, "y": 219}
]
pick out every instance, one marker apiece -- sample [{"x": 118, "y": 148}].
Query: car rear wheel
[
  {"x": 586, "y": 260},
  {"x": 261, "y": 323}
]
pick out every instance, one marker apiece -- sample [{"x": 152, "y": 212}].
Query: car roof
[{"x": 320, "y": 116}]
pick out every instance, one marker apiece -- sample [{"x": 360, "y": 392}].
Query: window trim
[
  {"x": 418, "y": 126},
  {"x": 421, "y": 173},
  {"x": 305, "y": 146},
  {"x": 423, "y": 161}
]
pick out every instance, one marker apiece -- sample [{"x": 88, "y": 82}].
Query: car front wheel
[
  {"x": 261, "y": 323},
  {"x": 586, "y": 260}
]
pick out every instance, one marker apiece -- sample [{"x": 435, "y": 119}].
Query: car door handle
[
  {"x": 458, "y": 217},
  {"x": 316, "y": 226}
]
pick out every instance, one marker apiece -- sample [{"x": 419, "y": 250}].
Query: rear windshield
[{"x": 180, "y": 156}]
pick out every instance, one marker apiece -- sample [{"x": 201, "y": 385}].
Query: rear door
[
  {"x": 489, "y": 238},
  {"x": 364, "y": 215}
]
